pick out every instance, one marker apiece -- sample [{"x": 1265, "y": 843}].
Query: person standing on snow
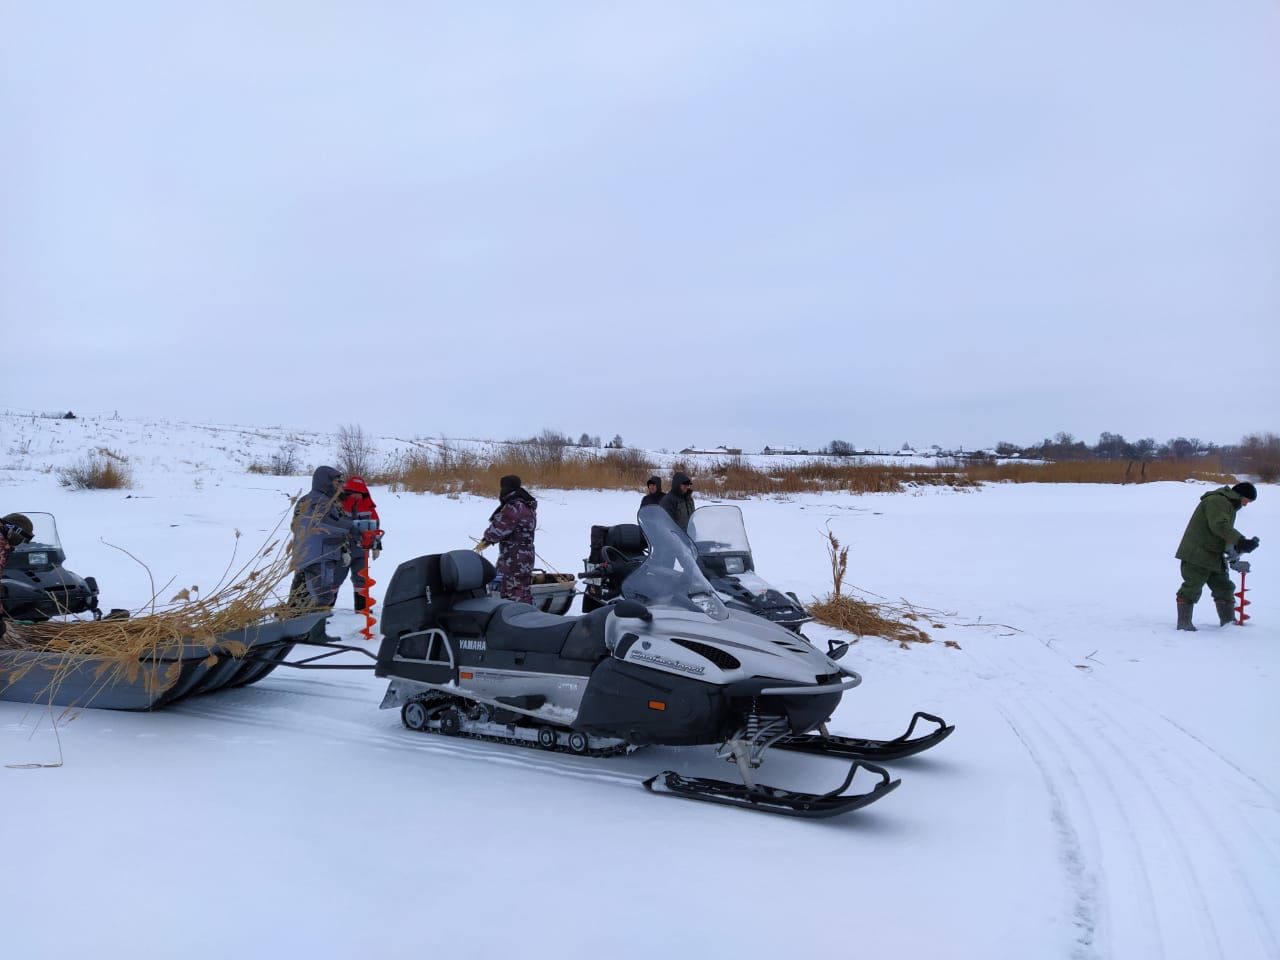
[
  {"x": 1209, "y": 534},
  {"x": 512, "y": 526},
  {"x": 321, "y": 538},
  {"x": 678, "y": 501},
  {"x": 358, "y": 505},
  {"x": 654, "y": 494},
  {"x": 15, "y": 530}
]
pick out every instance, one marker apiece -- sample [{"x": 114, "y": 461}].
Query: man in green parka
[{"x": 1210, "y": 533}]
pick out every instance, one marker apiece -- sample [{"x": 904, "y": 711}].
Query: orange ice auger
[
  {"x": 369, "y": 618},
  {"x": 1241, "y": 616}
]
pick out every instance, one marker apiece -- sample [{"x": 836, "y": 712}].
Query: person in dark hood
[
  {"x": 654, "y": 492},
  {"x": 15, "y": 530},
  {"x": 512, "y": 526},
  {"x": 678, "y": 501},
  {"x": 322, "y": 537},
  {"x": 1210, "y": 533},
  {"x": 358, "y": 504}
]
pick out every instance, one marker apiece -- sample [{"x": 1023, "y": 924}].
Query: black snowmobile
[
  {"x": 667, "y": 664},
  {"x": 36, "y": 585},
  {"x": 724, "y": 555}
]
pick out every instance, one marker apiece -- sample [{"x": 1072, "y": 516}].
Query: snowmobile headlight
[{"x": 38, "y": 559}]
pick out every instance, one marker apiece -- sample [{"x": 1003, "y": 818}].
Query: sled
[{"x": 185, "y": 668}]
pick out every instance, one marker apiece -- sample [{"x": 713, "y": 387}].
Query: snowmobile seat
[
  {"x": 463, "y": 575},
  {"x": 472, "y": 616},
  {"x": 586, "y": 638},
  {"x": 523, "y": 627}
]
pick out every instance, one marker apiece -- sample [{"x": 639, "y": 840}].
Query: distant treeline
[{"x": 1257, "y": 453}]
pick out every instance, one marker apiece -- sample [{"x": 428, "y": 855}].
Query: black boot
[
  {"x": 1226, "y": 612},
  {"x": 1184, "y": 615}
]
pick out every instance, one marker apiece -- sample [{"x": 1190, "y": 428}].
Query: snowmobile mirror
[
  {"x": 632, "y": 610},
  {"x": 836, "y": 649}
]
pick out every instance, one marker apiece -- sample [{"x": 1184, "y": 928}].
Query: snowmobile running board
[
  {"x": 772, "y": 799},
  {"x": 858, "y": 748}
]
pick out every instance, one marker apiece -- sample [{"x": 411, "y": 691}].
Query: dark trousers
[
  {"x": 317, "y": 585},
  {"x": 1195, "y": 578},
  {"x": 358, "y": 560}
]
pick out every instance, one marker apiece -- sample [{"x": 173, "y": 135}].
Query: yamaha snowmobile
[
  {"x": 36, "y": 585},
  {"x": 667, "y": 664},
  {"x": 724, "y": 555}
]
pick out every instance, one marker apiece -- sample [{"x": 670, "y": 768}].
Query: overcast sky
[{"x": 933, "y": 221}]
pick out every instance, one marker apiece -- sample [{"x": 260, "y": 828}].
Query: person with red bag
[{"x": 367, "y": 540}]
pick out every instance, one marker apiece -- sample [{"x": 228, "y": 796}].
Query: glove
[
  {"x": 482, "y": 546},
  {"x": 1239, "y": 566},
  {"x": 377, "y": 552},
  {"x": 1248, "y": 545}
]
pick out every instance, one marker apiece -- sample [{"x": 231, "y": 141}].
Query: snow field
[{"x": 1111, "y": 790}]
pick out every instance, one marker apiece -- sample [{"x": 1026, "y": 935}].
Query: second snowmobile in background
[
  {"x": 36, "y": 585},
  {"x": 724, "y": 555},
  {"x": 667, "y": 664}
]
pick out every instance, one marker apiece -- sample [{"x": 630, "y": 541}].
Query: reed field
[{"x": 450, "y": 470}]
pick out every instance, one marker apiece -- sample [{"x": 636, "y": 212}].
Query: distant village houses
[{"x": 715, "y": 451}]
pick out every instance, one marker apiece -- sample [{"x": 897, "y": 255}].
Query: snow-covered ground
[{"x": 1112, "y": 788}]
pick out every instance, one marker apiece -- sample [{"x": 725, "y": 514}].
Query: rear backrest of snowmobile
[
  {"x": 414, "y": 600},
  {"x": 465, "y": 571},
  {"x": 627, "y": 539},
  {"x": 598, "y": 535},
  {"x": 465, "y": 574}
]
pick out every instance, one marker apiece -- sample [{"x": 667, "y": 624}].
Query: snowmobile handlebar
[{"x": 851, "y": 681}]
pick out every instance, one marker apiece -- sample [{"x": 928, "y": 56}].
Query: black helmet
[{"x": 22, "y": 523}]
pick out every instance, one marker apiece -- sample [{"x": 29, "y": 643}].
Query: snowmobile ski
[
  {"x": 768, "y": 799},
  {"x": 859, "y": 748}
]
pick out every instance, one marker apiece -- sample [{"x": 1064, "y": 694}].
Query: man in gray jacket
[
  {"x": 678, "y": 501},
  {"x": 321, "y": 541}
]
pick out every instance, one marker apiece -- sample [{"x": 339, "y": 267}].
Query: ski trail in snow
[
  {"x": 1188, "y": 790},
  {"x": 1106, "y": 762},
  {"x": 1081, "y": 880}
]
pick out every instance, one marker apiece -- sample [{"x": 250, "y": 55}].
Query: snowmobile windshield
[
  {"x": 718, "y": 529},
  {"x": 44, "y": 530},
  {"x": 670, "y": 576}
]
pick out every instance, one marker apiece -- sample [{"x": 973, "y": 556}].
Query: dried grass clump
[
  {"x": 896, "y": 623},
  {"x": 448, "y": 469},
  {"x": 243, "y": 597},
  {"x": 103, "y": 469}
]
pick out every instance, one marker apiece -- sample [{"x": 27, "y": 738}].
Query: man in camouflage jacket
[
  {"x": 1209, "y": 534},
  {"x": 512, "y": 526},
  {"x": 15, "y": 530}
]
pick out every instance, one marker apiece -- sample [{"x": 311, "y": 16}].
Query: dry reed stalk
[
  {"x": 244, "y": 595},
  {"x": 863, "y": 617}
]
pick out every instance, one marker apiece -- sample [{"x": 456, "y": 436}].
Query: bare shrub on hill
[
  {"x": 355, "y": 451},
  {"x": 282, "y": 463},
  {"x": 102, "y": 469}
]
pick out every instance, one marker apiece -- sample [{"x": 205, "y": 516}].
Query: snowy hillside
[{"x": 1112, "y": 789}]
